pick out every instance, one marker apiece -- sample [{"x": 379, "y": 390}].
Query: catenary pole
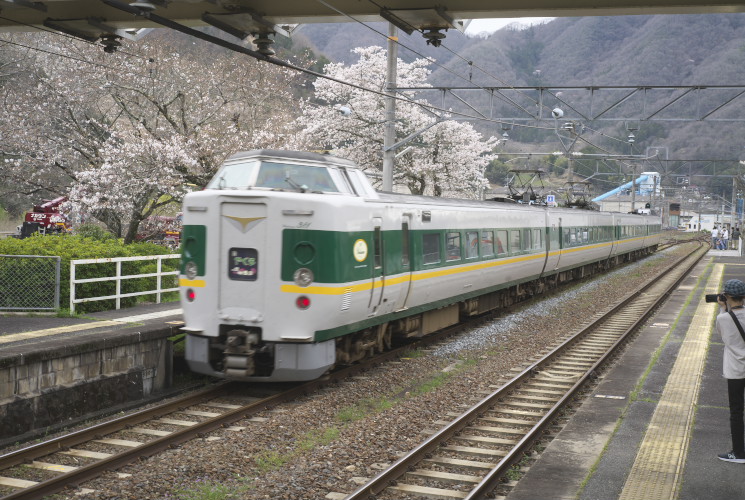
[{"x": 389, "y": 139}]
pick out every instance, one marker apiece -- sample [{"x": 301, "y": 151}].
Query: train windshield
[{"x": 288, "y": 177}]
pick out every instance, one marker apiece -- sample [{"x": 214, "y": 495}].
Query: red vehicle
[
  {"x": 45, "y": 219},
  {"x": 161, "y": 229}
]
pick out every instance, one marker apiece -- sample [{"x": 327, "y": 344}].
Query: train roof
[
  {"x": 298, "y": 156},
  {"x": 387, "y": 197}
]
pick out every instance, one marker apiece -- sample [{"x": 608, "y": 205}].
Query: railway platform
[
  {"x": 653, "y": 426},
  {"x": 55, "y": 370},
  {"x": 22, "y": 328}
]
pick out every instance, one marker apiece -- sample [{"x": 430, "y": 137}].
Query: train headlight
[
  {"x": 303, "y": 277},
  {"x": 191, "y": 269}
]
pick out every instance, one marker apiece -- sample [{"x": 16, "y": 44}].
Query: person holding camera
[{"x": 729, "y": 326}]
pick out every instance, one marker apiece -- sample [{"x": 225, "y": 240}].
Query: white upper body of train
[{"x": 291, "y": 260}]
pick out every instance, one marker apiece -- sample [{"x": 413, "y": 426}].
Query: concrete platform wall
[{"x": 73, "y": 377}]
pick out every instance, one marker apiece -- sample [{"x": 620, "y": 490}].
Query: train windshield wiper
[{"x": 295, "y": 185}]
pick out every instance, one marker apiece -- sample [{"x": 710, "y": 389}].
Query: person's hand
[{"x": 722, "y": 303}]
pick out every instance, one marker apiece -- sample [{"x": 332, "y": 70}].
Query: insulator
[
  {"x": 434, "y": 37},
  {"x": 110, "y": 43},
  {"x": 263, "y": 44}
]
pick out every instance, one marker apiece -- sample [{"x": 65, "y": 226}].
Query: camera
[{"x": 715, "y": 297}]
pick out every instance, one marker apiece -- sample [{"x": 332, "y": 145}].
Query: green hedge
[{"x": 72, "y": 247}]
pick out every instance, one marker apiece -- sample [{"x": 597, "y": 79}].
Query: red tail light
[
  {"x": 302, "y": 302},
  {"x": 190, "y": 295}
]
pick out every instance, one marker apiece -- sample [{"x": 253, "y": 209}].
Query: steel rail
[
  {"x": 390, "y": 476},
  {"x": 492, "y": 479},
  {"x": 85, "y": 473},
  {"x": 75, "y": 438}
]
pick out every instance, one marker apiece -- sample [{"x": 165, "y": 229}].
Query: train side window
[
  {"x": 405, "y": 244},
  {"x": 378, "y": 249},
  {"x": 453, "y": 246},
  {"x": 537, "y": 239},
  {"x": 567, "y": 236},
  {"x": 501, "y": 242},
  {"x": 585, "y": 235},
  {"x": 525, "y": 239},
  {"x": 515, "y": 240},
  {"x": 431, "y": 248},
  {"x": 472, "y": 244},
  {"x": 487, "y": 243}
]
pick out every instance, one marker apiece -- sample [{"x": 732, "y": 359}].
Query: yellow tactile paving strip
[
  {"x": 14, "y": 337},
  {"x": 656, "y": 473}
]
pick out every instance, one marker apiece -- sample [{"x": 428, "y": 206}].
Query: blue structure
[{"x": 639, "y": 180}]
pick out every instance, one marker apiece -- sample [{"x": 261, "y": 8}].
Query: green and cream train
[{"x": 292, "y": 263}]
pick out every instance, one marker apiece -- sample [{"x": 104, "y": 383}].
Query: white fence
[{"x": 119, "y": 278}]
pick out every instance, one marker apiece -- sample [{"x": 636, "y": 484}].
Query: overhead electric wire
[
  {"x": 65, "y": 35},
  {"x": 38, "y": 49},
  {"x": 606, "y": 135},
  {"x": 272, "y": 60},
  {"x": 434, "y": 61},
  {"x": 76, "y": 59},
  {"x": 469, "y": 62},
  {"x": 237, "y": 48}
]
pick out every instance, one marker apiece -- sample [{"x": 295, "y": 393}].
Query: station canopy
[{"x": 95, "y": 20}]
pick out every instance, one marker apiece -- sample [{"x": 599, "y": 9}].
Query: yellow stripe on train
[{"x": 361, "y": 287}]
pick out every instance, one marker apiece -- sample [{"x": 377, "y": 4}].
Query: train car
[{"x": 292, "y": 263}]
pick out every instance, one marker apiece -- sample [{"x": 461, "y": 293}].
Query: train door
[
  {"x": 616, "y": 229},
  {"x": 377, "y": 272},
  {"x": 548, "y": 239},
  {"x": 243, "y": 263},
  {"x": 559, "y": 243},
  {"x": 406, "y": 264}
]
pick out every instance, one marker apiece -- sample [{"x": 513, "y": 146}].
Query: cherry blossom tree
[
  {"x": 124, "y": 134},
  {"x": 448, "y": 159}
]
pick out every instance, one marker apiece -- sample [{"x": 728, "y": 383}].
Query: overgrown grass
[
  {"x": 318, "y": 438},
  {"x": 432, "y": 383},
  {"x": 368, "y": 406},
  {"x": 269, "y": 460},
  {"x": 205, "y": 489},
  {"x": 413, "y": 354}
]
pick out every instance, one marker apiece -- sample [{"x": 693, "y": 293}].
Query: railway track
[
  {"x": 109, "y": 445},
  {"x": 54, "y": 464},
  {"x": 469, "y": 457},
  {"x": 70, "y": 460}
]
